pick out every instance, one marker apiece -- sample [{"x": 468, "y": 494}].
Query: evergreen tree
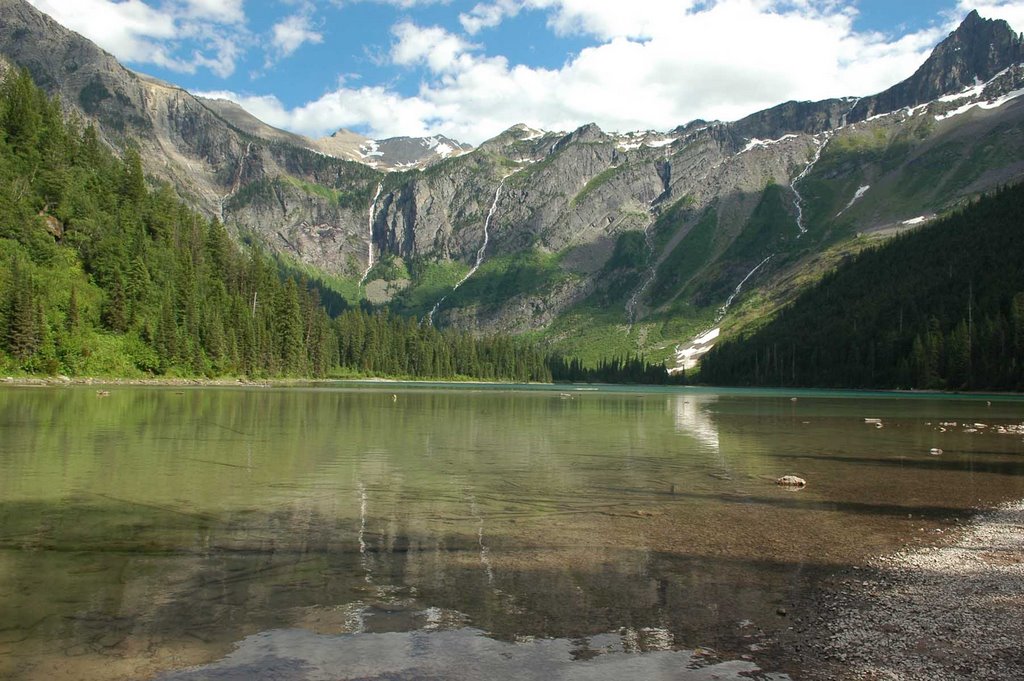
[
  {"x": 71, "y": 319},
  {"x": 23, "y": 323}
]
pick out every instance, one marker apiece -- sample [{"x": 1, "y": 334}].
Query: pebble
[{"x": 945, "y": 612}]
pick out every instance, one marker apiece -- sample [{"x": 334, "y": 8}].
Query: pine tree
[
  {"x": 71, "y": 319},
  {"x": 288, "y": 329},
  {"x": 23, "y": 326},
  {"x": 115, "y": 310}
]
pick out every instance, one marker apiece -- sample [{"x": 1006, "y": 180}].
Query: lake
[{"x": 396, "y": 531}]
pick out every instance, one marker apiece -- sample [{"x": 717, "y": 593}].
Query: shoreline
[
  {"x": 946, "y": 611},
  {"x": 236, "y": 381},
  {"x": 44, "y": 381}
]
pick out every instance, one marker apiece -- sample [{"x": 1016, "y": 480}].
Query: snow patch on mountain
[
  {"x": 861, "y": 191},
  {"x": 530, "y": 134},
  {"x": 972, "y": 91},
  {"x": 631, "y": 141},
  {"x": 688, "y": 355},
  {"x": 755, "y": 143},
  {"x": 369, "y": 149},
  {"x": 990, "y": 104}
]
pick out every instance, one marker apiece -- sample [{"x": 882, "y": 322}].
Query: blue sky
[{"x": 471, "y": 69}]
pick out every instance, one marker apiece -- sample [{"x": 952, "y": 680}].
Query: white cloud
[
  {"x": 603, "y": 19},
  {"x": 441, "y": 51},
  {"x": 293, "y": 32},
  {"x": 140, "y": 33},
  {"x": 221, "y": 11},
  {"x": 657, "y": 65},
  {"x": 608, "y": 20},
  {"x": 404, "y": 4},
  {"x": 653, "y": 64},
  {"x": 488, "y": 15},
  {"x": 386, "y": 113}
]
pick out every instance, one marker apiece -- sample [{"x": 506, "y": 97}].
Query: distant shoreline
[
  {"x": 44, "y": 381},
  {"x": 170, "y": 381}
]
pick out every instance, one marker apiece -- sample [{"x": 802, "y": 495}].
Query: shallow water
[{"x": 392, "y": 531}]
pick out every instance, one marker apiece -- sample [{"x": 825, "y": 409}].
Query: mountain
[
  {"x": 100, "y": 275},
  {"x": 972, "y": 54},
  {"x": 393, "y": 153},
  {"x": 884, "y": 319},
  {"x": 601, "y": 243}
]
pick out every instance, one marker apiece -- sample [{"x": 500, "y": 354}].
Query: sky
[{"x": 470, "y": 70}]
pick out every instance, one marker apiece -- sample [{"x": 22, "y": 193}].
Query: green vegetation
[
  {"x": 941, "y": 307},
  {"x": 101, "y": 275},
  {"x": 925, "y": 174},
  {"x": 913, "y": 169},
  {"x": 630, "y": 252},
  {"x": 389, "y": 268},
  {"x": 671, "y": 221},
  {"x": 431, "y": 282},
  {"x": 632, "y": 369},
  {"x": 1001, "y": 146},
  {"x": 686, "y": 259},
  {"x": 333, "y": 196},
  {"x": 337, "y": 294},
  {"x": 595, "y": 183},
  {"x": 771, "y": 227},
  {"x": 353, "y": 184},
  {"x": 384, "y": 345},
  {"x": 507, "y": 276},
  {"x": 590, "y": 333}
]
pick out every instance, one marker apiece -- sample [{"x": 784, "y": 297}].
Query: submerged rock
[{"x": 791, "y": 481}]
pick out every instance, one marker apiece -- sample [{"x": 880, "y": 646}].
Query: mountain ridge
[{"x": 602, "y": 242}]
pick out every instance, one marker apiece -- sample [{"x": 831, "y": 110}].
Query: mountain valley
[{"x": 594, "y": 243}]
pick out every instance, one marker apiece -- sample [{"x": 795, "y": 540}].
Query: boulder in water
[{"x": 791, "y": 481}]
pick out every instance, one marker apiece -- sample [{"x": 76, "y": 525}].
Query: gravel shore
[{"x": 948, "y": 612}]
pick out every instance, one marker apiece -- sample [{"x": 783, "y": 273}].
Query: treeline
[
  {"x": 101, "y": 275},
  {"x": 939, "y": 308},
  {"x": 385, "y": 345},
  {"x": 633, "y": 369}
]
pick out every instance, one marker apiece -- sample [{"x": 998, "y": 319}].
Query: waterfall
[
  {"x": 373, "y": 208},
  {"x": 797, "y": 199},
  {"x": 739, "y": 287},
  {"x": 235, "y": 182},
  {"x": 821, "y": 144},
  {"x": 479, "y": 253},
  {"x": 652, "y": 272}
]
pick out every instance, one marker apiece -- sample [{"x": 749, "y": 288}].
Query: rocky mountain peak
[
  {"x": 975, "y": 52},
  {"x": 978, "y": 48},
  {"x": 590, "y": 133},
  {"x": 521, "y": 142}
]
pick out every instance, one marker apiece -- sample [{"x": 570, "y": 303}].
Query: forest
[
  {"x": 941, "y": 307},
  {"x": 632, "y": 369},
  {"x": 103, "y": 275}
]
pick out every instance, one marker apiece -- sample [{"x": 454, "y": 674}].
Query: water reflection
[
  {"x": 154, "y": 529},
  {"x": 692, "y": 417},
  {"x": 464, "y": 654}
]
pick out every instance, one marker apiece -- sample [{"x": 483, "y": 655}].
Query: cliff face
[
  {"x": 975, "y": 52},
  {"x": 559, "y": 229},
  {"x": 186, "y": 141}
]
